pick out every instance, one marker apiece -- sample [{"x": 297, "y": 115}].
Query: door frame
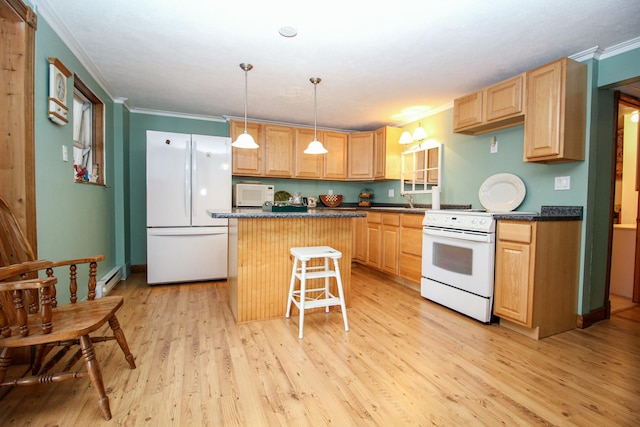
[{"x": 622, "y": 98}]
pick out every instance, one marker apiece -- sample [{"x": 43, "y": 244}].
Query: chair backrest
[
  {"x": 14, "y": 249},
  {"x": 14, "y": 246}
]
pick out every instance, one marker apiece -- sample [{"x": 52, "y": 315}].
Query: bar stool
[{"x": 325, "y": 298}]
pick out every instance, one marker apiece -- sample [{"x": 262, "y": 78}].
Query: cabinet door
[
  {"x": 504, "y": 99},
  {"x": 360, "y": 240},
  {"x": 278, "y": 151},
  {"x": 361, "y": 155},
  {"x": 335, "y": 161},
  {"x": 390, "y": 243},
  {"x": 544, "y": 97},
  {"x": 467, "y": 111},
  {"x": 374, "y": 239},
  {"x": 307, "y": 165},
  {"x": 410, "y": 263},
  {"x": 513, "y": 295},
  {"x": 246, "y": 161}
]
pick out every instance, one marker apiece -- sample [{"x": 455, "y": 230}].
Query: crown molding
[
  {"x": 178, "y": 115},
  {"x": 621, "y": 48},
  {"x": 44, "y": 9}
]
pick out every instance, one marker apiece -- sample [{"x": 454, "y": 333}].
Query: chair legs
[
  {"x": 122, "y": 341},
  {"x": 93, "y": 368}
]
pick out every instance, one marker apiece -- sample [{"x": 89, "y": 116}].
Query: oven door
[{"x": 460, "y": 259}]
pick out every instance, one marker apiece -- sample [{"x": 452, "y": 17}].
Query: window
[{"x": 88, "y": 134}]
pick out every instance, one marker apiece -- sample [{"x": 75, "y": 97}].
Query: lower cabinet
[
  {"x": 536, "y": 278},
  {"x": 391, "y": 243},
  {"x": 410, "y": 267}
]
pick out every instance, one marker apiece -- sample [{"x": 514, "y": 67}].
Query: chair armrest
[
  {"x": 21, "y": 285},
  {"x": 86, "y": 260},
  {"x": 23, "y": 268}
]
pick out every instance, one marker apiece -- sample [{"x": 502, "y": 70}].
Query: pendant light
[
  {"x": 419, "y": 134},
  {"x": 244, "y": 139},
  {"x": 315, "y": 146}
]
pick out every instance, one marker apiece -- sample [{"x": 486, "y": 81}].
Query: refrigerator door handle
[
  {"x": 187, "y": 180},
  {"x": 187, "y": 231}
]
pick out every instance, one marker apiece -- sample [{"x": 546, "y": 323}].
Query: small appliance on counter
[{"x": 255, "y": 195}]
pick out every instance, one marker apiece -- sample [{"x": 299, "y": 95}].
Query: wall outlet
[
  {"x": 329, "y": 191},
  {"x": 493, "y": 145},
  {"x": 391, "y": 192},
  {"x": 563, "y": 183}
]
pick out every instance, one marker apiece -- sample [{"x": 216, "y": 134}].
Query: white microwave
[{"x": 252, "y": 194}]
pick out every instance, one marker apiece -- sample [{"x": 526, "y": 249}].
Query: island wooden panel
[{"x": 260, "y": 262}]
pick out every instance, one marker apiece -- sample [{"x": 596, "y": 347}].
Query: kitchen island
[{"x": 259, "y": 269}]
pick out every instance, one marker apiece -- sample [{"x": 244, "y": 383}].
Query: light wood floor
[{"x": 405, "y": 362}]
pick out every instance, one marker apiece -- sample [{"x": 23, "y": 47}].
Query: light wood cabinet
[
  {"x": 492, "y": 108},
  {"x": 410, "y": 263},
  {"x": 306, "y": 165},
  {"x": 361, "y": 155},
  {"x": 247, "y": 161},
  {"x": 278, "y": 150},
  {"x": 536, "y": 276},
  {"x": 390, "y": 243},
  {"x": 554, "y": 129},
  {"x": 374, "y": 238},
  {"x": 360, "y": 239},
  {"x": 387, "y": 153},
  {"x": 335, "y": 161}
]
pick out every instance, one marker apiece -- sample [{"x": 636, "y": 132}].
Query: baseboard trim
[{"x": 586, "y": 320}]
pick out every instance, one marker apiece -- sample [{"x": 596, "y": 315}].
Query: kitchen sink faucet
[{"x": 409, "y": 199}]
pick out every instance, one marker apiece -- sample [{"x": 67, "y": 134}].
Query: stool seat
[{"x": 302, "y": 272}]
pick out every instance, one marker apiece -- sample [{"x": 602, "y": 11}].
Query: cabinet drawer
[
  {"x": 374, "y": 217},
  {"x": 515, "y": 231},
  {"x": 391, "y": 219},
  {"x": 412, "y": 220}
]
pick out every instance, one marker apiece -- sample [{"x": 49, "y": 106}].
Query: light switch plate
[
  {"x": 391, "y": 192},
  {"x": 65, "y": 154},
  {"x": 494, "y": 145},
  {"x": 563, "y": 183}
]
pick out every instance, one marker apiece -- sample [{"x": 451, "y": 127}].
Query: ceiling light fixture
[
  {"x": 288, "y": 31},
  {"x": 315, "y": 146},
  {"x": 244, "y": 139}
]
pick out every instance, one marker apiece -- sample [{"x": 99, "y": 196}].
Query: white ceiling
[{"x": 380, "y": 62}]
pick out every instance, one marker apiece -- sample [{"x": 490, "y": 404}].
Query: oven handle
[{"x": 459, "y": 234}]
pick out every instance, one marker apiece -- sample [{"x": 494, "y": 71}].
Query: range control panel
[{"x": 461, "y": 220}]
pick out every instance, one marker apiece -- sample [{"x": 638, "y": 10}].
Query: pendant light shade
[
  {"x": 245, "y": 140},
  {"x": 419, "y": 134},
  {"x": 406, "y": 138},
  {"x": 315, "y": 146}
]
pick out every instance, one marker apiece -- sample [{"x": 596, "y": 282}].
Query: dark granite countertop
[
  {"x": 392, "y": 207},
  {"x": 547, "y": 213},
  {"x": 258, "y": 213}
]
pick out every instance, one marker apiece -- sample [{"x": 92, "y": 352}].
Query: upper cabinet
[
  {"x": 387, "y": 153},
  {"x": 247, "y": 162},
  {"x": 554, "y": 130},
  {"x": 372, "y": 155},
  {"x": 550, "y": 100},
  {"x": 360, "y": 158},
  {"x": 495, "y": 107},
  {"x": 332, "y": 165},
  {"x": 278, "y": 150}
]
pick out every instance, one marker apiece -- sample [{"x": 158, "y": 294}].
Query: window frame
[{"x": 97, "y": 129}]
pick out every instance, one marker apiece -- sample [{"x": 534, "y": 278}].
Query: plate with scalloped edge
[{"x": 502, "y": 192}]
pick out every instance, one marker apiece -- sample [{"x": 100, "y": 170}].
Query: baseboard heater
[{"x": 108, "y": 281}]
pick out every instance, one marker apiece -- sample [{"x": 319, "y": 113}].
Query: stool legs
[
  {"x": 291, "y": 286},
  {"x": 343, "y": 307}
]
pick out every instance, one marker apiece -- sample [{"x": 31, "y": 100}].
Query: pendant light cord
[
  {"x": 245, "y": 99},
  {"x": 315, "y": 111}
]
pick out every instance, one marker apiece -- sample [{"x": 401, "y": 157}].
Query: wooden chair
[{"x": 31, "y": 318}]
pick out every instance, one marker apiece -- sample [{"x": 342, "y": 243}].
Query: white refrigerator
[{"x": 186, "y": 175}]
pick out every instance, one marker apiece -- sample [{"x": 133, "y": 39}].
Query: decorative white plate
[{"x": 502, "y": 192}]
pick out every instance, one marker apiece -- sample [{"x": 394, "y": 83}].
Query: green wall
[
  {"x": 138, "y": 125},
  {"x": 73, "y": 220}
]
